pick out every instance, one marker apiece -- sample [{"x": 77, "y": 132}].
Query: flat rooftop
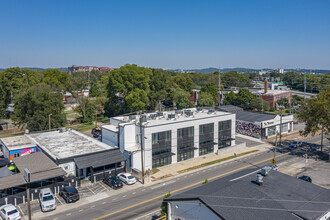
[
  {"x": 178, "y": 117},
  {"x": 18, "y": 142},
  {"x": 67, "y": 143}
]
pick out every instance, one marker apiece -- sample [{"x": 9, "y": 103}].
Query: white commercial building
[{"x": 170, "y": 137}]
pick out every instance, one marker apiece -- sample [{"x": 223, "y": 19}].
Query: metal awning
[
  {"x": 159, "y": 156},
  {"x": 207, "y": 144},
  {"x": 187, "y": 149},
  {"x": 100, "y": 159}
]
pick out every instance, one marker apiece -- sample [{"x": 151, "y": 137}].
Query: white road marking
[
  {"x": 59, "y": 200},
  {"x": 124, "y": 196},
  {"x": 143, "y": 216},
  {"x": 81, "y": 210},
  {"x": 104, "y": 186},
  {"x": 244, "y": 175},
  {"x": 68, "y": 214},
  {"x": 113, "y": 199},
  {"x": 92, "y": 206},
  {"x": 90, "y": 190},
  {"x": 103, "y": 203},
  {"x": 20, "y": 210},
  {"x": 143, "y": 189},
  {"x": 133, "y": 193}
]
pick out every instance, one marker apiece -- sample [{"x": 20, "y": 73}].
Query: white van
[{"x": 47, "y": 200}]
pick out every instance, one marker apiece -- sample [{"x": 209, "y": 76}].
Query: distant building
[
  {"x": 74, "y": 68},
  {"x": 258, "y": 125},
  {"x": 280, "y": 70}
]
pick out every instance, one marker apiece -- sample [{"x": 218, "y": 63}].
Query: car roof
[
  {"x": 8, "y": 207},
  {"x": 45, "y": 190},
  {"x": 126, "y": 174},
  {"x": 70, "y": 189}
]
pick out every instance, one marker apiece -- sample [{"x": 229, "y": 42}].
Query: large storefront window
[
  {"x": 161, "y": 162},
  {"x": 224, "y": 135},
  {"x": 161, "y": 148},
  {"x": 271, "y": 131},
  {"x": 285, "y": 127},
  {"x": 185, "y": 155},
  {"x": 206, "y": 138}
]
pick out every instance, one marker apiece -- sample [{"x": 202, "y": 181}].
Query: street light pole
[
  {"x": 49, "y": 122},
  {"x": 219, "y": 88}
]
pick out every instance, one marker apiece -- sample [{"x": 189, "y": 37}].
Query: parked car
[
  {"x": 127, "y": 178},
  {"x": 296, "y": 144},
  {"x": 306, "y": 178},
  {"x": 9, "y": 212},
  {"x": 113, "y": 182},
  {"x": 295, "y": 122},
  {"x": 96, "y": 132},
  {"x": 47, "y": 200},
  {"x": 69, "y": 194}
]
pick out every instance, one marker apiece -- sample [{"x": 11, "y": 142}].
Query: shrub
[{"x": 272, "y": 109}]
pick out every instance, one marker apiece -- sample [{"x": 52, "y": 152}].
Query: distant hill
[{"x": 63, "y": 69}]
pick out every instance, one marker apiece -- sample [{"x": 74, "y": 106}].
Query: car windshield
[
  {"x": 12, "y": 212},
  {"x": 47, "y": 198},
  {"x": 130, "y": 177}
]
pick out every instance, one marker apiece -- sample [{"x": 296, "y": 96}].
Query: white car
[
  {"x": 126, "y": 178},
  {"x": 9, "y": 212},
  {"x": 47, "y": 200}
]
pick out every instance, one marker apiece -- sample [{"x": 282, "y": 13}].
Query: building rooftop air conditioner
[
  {"x": 171, "y": 116},
  {"x": 211, "y": 111},
  {"x": 190, "y": 113},
  {"x": 199, "y": 109},
  {"x": 143, "y": 118},
  {"x": 160, "y": 113},
  {"x": 132, "y": 117},
  {"x": 153, "y": 116},
  {"x": 178, "y": 112}
]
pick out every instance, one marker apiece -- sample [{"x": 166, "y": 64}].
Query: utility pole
[
  {"x": 322, "y": 138},
  {"x": 49, "y": 122},
  {"x": 219, "y": 88},
  {"x": 280, "y": 107},
  {"x": 305, "y": 87},
  {"x": 275, "y": 145},
  {"x": 141, "y": 140}
]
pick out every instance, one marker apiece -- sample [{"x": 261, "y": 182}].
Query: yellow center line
[{"x": 194, "y": 184}]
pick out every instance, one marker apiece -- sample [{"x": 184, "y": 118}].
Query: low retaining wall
[{"x": 232, "y": 148}]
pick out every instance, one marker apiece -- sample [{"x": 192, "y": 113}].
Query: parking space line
[
  {"x": 59, "y": 200},
  {"x": 92, "y": 206},
  {"x": 68, "y": 214},
  {"x": 103, "y": 203},
  {"x": 102, "y": 184},
  {"x": 114, "y": 199},
  {"x": 90, "y": 190},
  {"x": 20, "y": 210},
  {"x": 124, "y": 196},
  {"x": 133, "y": 193}
]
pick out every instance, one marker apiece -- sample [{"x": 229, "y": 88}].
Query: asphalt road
[{"x": 144, "y": 202}]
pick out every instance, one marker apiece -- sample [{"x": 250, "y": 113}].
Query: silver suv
[{"x": 47, "y": 200}]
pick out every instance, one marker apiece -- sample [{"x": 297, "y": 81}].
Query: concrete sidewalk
[{"x": 177, "y": 168}]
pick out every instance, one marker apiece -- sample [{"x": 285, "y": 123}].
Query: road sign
[{"x": 273, "y": 161}]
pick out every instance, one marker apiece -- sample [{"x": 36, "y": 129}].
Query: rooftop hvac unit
[
  {"x": 171, "y": 116},
  {"x": 190, "y": 113},
  {"x": 153, "y": 116},
  {"x": 199, "y": 109},
  {"x": 259, "y": 179},
  {"x": 143, "y": 118},
  {"x": 178, "y": 111},
  {"x": 132, "y": 117},
  {"x": 211, "y": 111},
  {"x": 265, "y": 170},
  {"x": 62, "y": 130},
  {"x": 160, "y": 113}
]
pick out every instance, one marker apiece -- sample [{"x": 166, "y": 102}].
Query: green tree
[
  {"x": 181, "y": 98},
  {"x": 205, "y": 99},
  {"x": 124, "y": 81},
  {"x": 316, "y": 114},
  {"x": 164, "y": 205},
  {"x": 34, "y": 105},
  {"x": 137, "y": 100},
  {"x": 86, "y": 108},
  {"x": 55, "y": 78},
  {"x": 212, "y": 90},
  {"x": 234, "y": 79},
  {"x": 244, "y": 98},
  {"x": 230, "y": 98},
  {"x": 284, "y": 102},
  {"x": 77, "y": 82}
]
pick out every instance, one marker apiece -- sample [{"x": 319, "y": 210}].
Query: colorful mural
[
  {"x": 249, "y": 129},
  {"x": 23, "y": 152}
]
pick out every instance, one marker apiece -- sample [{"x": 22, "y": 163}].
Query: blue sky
[{"x": 166, "y": 34}]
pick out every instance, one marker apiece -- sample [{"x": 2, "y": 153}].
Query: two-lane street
[{"x": 144, "y": 202}]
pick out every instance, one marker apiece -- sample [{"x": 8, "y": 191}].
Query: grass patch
[
  {"x": 12, "y": 135},
  {"x": 82, "y": 127},
  {"x": 165, "y": 176},
  {"x": 215, "y": 161},
  {"x": 154, "y": 170}
]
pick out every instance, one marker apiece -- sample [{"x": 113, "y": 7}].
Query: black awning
[
  {"x": 207, "y": 144},
  {"x": 100, "y": 159},
  {"x": 159, "y": 156},
  {"x": 228, "y": 139},
  {"x": 187, "y": 149}
]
